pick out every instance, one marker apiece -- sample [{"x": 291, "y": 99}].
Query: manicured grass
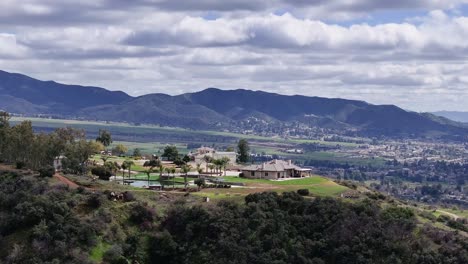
[
  {"x": 316, "y": 185},
  {"x": 327, "y": 189},
  {"x": 299, "y": 181},
  {"x": 303, "y": 181}
]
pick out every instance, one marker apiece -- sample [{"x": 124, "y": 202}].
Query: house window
[
  {"x": 266, "y": 174},
  {"x": 252, "y": 173}
]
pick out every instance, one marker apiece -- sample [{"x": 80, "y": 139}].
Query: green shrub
[
  {"x": 141, "y": 213},
  {"x": 102, "y": 172},
  {"x": 303, "y": 192},
  {"x": 94, "y": 201},
  {"x": 199, "y": 182},
  {"x": 47, "y": 171}
]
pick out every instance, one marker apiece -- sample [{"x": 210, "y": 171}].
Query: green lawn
[
  {"x": 299, "y": 181},
  {"x": 327, "y": 189},
  {"x": 316, "y": 185}
]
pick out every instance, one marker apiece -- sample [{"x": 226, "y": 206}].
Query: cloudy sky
[{"x": 410, "y": 53}]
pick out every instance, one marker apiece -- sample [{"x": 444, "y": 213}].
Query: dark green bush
[
  {"x": 102, "y": 172},
  {"x": 303, "y": 192},
  {"x": 47, "y": 171},
  {"x": 141, "y": 213},
  {"x": 94, "y": 201}
]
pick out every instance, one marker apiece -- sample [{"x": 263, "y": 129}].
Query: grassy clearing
[
  {"x": 450, "y": 211},
  {"x": 98, "y": 251},
  {"x": 459, "y": 212}
]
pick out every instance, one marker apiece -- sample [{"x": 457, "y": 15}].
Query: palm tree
[
  {"x": 173, "y": 170},
  {"x": 199, "y": 169},
  {"x": 127, "y": 164},
  {"x": 130, "y": 163},
  {"x": 224, "y": 163},
  {"x": 218, "y": 164},
  {"x": 116, "y": 168},
  {"x": 124, "y": 167},
  {"x": 148, "y": 173},
  {"x": 207, "y": 160},
  {"x": 161, "y": 170},
  {"x": 211, "y": 166},
  {"x": 186, "y": 169},
  {"x": 152, "y": 163},
  {"x": 168, "y": 170}
]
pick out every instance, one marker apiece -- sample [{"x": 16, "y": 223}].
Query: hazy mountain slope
[
  {"x": 373, "y": 119},
  {"x": 281, "y": 107},
  {"x": 453, "y": 115},
  {"x": 20, "y": 106},
  {"x": 55, "y": 96},
  {"x": 159, "y": 109}
]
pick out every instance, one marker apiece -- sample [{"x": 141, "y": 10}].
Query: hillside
[
  {"x": 157, "y": 109},
  {"x": 44, "y": 221},
  {"x": 50, "y": 97},
  {"x": 454, "y": 115},
  {"x": 216, "y": 109}
]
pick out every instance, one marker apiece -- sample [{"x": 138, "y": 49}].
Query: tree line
[{"x": 19, "y": 145}]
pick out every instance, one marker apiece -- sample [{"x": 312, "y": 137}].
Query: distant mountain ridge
[
  {"x": 213, "y": 108},
  {"x": 453, "y": 115},
  {"x": 51, "y": 97}
]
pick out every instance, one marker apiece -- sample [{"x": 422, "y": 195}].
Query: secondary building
[
  {"x": 275, "y": 169},
  {"x": 199, "y": 155}
]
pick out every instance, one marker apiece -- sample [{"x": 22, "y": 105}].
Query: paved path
[{"x": 66, "y": 181}]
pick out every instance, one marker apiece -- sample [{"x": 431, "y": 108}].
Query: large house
[
  {"x": 275, "y": 169},
  {"x": 199, "y": 155}
]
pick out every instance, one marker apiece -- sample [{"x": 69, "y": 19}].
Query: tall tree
[
  {"x": 171, "y": 152},
  {"x": 104, "y": 137},
  {"x": 137, "y": 153},
  {"x": 243, "y": 150},
  {"x": 119, "y": 150}
]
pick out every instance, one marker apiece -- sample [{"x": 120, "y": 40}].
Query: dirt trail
[
  {"x": 66, "y": 181},
  {"x": 449, "y": 214}
]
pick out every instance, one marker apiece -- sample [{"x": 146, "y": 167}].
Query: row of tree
[{"x": 21, "y": 146}]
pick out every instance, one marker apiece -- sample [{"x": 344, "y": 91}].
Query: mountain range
[{"x": 216, "y": 109}]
